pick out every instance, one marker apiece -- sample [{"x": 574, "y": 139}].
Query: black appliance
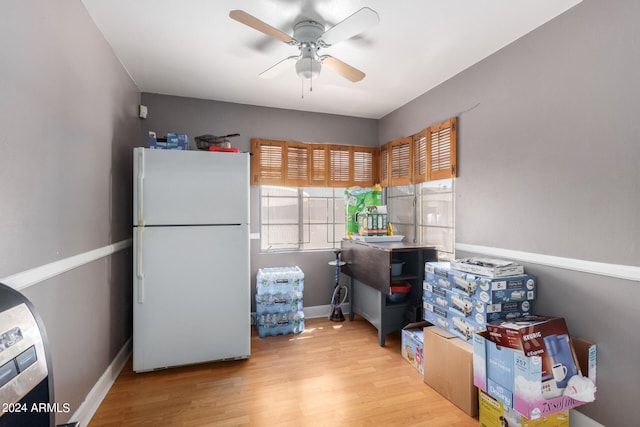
[{"x": 26, "y": 381}]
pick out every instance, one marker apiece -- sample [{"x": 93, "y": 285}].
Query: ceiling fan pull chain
[{"x": 311, "y": 78}]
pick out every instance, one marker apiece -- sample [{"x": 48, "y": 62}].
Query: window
[
  {"x": 302, "y": 188},
  {"x": 401, "y": 204},
  {"x": 436, "y": 216},
  {"x": 425, "y": 213},
  {"x": 301, "y": 218}
]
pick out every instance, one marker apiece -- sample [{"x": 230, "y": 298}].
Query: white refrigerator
[{"x": 191, "y": 278}]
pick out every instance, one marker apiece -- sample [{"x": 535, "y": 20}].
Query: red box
[
  {"x": 546, "y": 337},
  {"x": 526, "y": 333}
]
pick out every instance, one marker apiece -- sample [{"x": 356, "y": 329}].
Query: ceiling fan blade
[
  {"x": 253, "y": 22},
  {"x": 360, "y": 21},
  {"x": 277, "y": 69},
  {"x": 344, "y": 69}
]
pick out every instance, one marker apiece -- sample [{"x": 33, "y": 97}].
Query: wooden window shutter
[
  {"x": 401, "y": 162},
  {"x": 267, "y": 162},
  {"x": 297, "y": 164},
  {"x": 365, "y": 166},
  {"x": 384, "y": 165},
  {"x": 319, "y": 176},
  {"x": 339, "y": 166},
  {"x": 441, "y": 149},
  {"x": 420, "y": 157}
]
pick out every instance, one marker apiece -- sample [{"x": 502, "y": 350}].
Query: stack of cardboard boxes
[
  {"x": 483, "y": 350},
  {"x": 463, "y": 302}
]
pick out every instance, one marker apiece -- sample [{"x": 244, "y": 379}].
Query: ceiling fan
[{"x": 310, "y": 36}]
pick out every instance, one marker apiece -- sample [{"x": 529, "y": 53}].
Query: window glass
[
  {"x": 436, "y": 216},
  {"x": 401, "y": 208},
  {"x": 295, "y": 219}
]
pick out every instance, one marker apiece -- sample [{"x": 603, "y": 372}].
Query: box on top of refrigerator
[{"x": 173, "y": 141}]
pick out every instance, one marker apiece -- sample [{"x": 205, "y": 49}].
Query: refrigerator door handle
[
  {"x": 140, "y": 179},
  {"x": 139, "y": 272}
]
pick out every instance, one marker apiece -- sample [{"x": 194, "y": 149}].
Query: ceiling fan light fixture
[
  {"x": 308, "y": 68},
  {"x": 309, "y": 37}
]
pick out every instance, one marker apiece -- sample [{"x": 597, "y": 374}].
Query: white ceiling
[{"x": 192, "y": 48}]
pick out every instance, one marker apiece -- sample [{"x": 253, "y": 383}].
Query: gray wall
[
  {"x": 548, "y": 158},
  {"x": 68, "y": 114},
  {"x": 197, "y": 117},
  {"x": 548, "y": 163}
]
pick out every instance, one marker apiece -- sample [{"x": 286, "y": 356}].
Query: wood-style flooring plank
[{"x": 332, "y": 374}]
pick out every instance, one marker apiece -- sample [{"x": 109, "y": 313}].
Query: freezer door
[
  {"x": 174, "y": 187},
  {"x": 191, "y": 296}
]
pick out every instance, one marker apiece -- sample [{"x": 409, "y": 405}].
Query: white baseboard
[
  {"x": 90, "y": 405},
  {"x": 322, "y": 311}
]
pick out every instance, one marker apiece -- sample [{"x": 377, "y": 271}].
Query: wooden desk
[{"x": 369, "y": 267}]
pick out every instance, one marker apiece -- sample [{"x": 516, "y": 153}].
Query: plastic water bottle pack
[{"x": 279, "y": 307}]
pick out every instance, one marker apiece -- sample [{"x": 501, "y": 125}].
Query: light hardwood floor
[{"x": 332, "y": 374}]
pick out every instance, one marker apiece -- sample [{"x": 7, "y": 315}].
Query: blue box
[
  {"x": 458, "y": 325},
  {"x": 472, "y": 308},
  {"x": 486, "y": 289},
  {"x": 174, "y": 141}
]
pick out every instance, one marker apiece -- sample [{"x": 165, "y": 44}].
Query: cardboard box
[
  {"x": 412, "y": 344},
  {"x": 437, "y": 317},
  {"x": 489, "y": 290},
  {"x": 438, "y": 268},
  {"x": 516, "y": 380},
  {"x": 489, "y": 267},
  {"x": 486, "y": 289},
  {"x": 173, "y": 141},
  {"x": 547, "y": 337},
  {"x": 493, "y": 413},
  {"x": 448, "y": 368},
  {"x": 473, "y": 308},
  {"x": 527, "y": 333},
  {"x": 456, "y": 324}
]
